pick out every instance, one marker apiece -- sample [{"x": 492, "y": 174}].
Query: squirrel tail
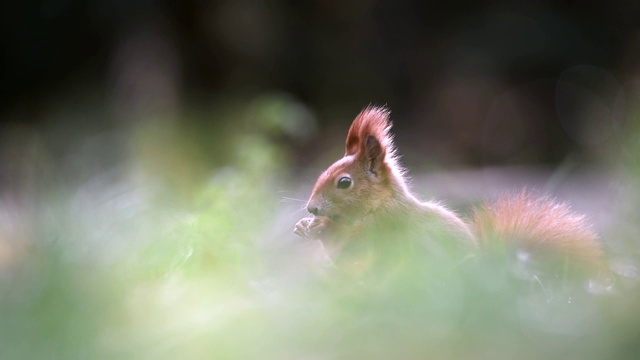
[{"x": 541, "y": 226}]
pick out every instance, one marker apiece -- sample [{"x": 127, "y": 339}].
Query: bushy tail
[{"x": 546, "y": 229}]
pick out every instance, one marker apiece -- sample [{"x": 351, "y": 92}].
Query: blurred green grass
[{"x": 169, "y": 254}]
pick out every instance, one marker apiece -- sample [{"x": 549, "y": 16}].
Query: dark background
[{"x": 471, "y": 82}]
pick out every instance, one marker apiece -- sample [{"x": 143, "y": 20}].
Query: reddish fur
[
  {"x": 371, "y": 121},
  {"x": 538, "y": 224},
  {"x": 382, "y": 193}
]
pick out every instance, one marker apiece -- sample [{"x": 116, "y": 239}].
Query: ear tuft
[
  {"x": 370, "y": 139},
  {"x": 372, "y": 121}
]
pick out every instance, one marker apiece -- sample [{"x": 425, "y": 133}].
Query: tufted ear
[
  {"x": 369, "y": 139},
  {"x": 371, "y": 121}
]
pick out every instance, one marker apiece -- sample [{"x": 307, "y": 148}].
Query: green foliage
[{"x": 169, "y": 259}]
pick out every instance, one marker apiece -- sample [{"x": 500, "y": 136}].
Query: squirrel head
[{"x": 362, "y": 181}]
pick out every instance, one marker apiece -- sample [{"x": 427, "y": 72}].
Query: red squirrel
[{"x": 368, "y": 186}]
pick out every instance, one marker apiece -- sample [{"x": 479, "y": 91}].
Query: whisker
[
  {"x": 289, "y": 199},
  {"x": 298, "y": 210}
]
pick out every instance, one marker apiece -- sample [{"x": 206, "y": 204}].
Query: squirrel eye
[{"x": 344, "y": 182}]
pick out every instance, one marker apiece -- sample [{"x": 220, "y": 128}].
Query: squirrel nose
[{"x": 312, "y": 209}]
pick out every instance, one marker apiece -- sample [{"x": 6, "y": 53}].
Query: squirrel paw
[
  {"x": 312, "y": 227},
  {"x": 302, "y": 226}
]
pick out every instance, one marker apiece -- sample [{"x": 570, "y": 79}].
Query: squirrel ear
[
  {"x": 373, "y": 155},
  {"x": 369, "y": 138}
]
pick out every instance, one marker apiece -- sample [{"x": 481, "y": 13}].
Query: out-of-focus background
[
  {"x": 474, "y": 83},
  {"x": 155, "y": 155}
]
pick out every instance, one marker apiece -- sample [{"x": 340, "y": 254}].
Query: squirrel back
[{"x": 368, "y": 186}]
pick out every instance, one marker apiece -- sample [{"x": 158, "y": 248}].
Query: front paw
[
  {"x": 312, "y": 228},
  {"x": 302, "y": 227}
]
